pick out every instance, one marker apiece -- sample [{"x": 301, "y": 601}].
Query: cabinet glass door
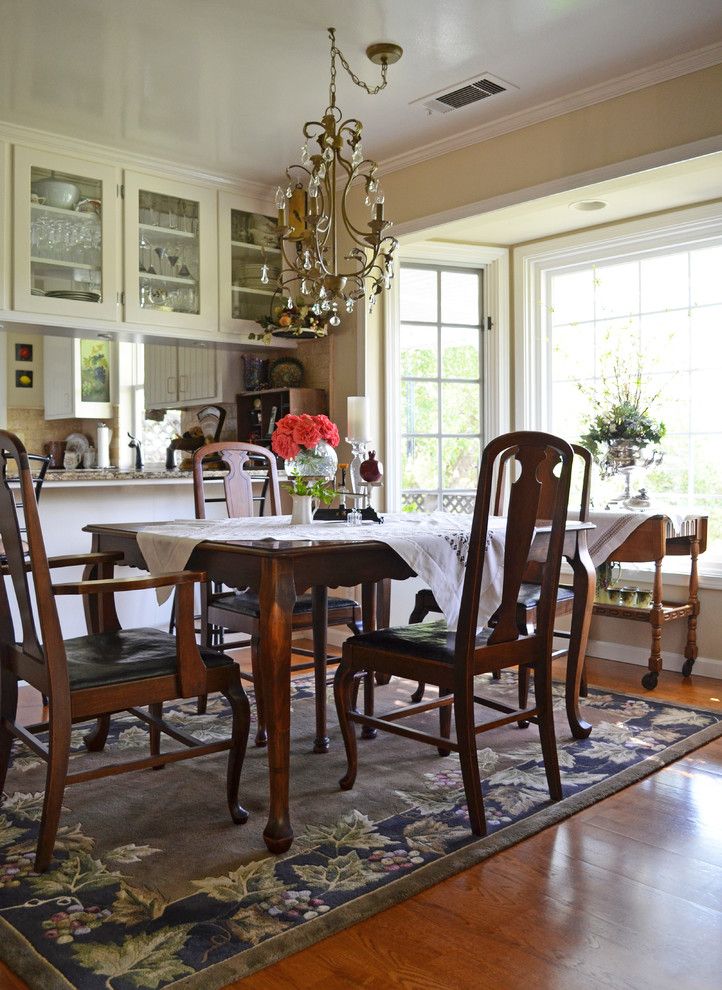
[
  {"x": 255, "y": 264},
  {"x": 250, "y": 263},
  {"x": 65, "y": 214},
  {"x": 167, "y": 267}
]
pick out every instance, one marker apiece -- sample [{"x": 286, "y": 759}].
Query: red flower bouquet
[{"x": 306, "y": 444}]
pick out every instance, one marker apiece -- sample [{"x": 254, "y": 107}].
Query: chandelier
[{"x": 314, "y": 209}]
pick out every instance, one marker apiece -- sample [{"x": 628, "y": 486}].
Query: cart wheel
[
  {"x": 687, "y": 668},
  {"x": 650, "y": 680}
]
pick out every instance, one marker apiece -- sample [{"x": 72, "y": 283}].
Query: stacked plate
[{"x": 73, "y": 294}]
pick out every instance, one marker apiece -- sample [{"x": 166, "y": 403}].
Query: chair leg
[
  {"x": 444, "y": 721},
  {"x": 156, "y": 710},
  {"x": 342, "y": 691},
  {"x": 418, "y": 614},
  {"x": 383, "y": 619},
  {"x": 320, "y": 637},
  {"x": 367, "y": 731},
  {"x": 58, "y": 754},
  {"x": 238, "y": 700},
  {"x": 171, "y": 622},
  {"x": 261, "y": 734},
  {"x": 202, "y": 704},
  {"x": 8, "y": 712},
  {"x": 468, "y": 758},
  {"x": 544, "y": 701},
  {"x": 207, "y": 639},
  {"x": 95, "y": 739},
  {"x": 523, "y": 688}
]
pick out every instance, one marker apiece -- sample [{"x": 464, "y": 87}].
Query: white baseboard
[{"x": 637, "y": 655}]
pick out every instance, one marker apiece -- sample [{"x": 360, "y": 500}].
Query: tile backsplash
[{"x": 35, "y": 431}]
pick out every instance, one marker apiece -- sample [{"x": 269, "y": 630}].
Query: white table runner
[{"x": 434, "y": 545}]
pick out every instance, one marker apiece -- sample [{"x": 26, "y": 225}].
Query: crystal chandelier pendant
[{"x": 264, "y": 274}]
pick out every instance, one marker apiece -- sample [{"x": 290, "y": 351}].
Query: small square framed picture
[
  {"x": 23, "y": 379},
  {"x": 23, "y": 352}
]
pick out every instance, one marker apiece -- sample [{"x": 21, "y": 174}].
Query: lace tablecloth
[{"x": 434, "y": 545}]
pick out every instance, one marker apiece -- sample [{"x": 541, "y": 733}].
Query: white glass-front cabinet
[
  {"x": 171, "y": 266},
  {"x": 65, "y": 236},
  {"x": 249, "y": 264}
]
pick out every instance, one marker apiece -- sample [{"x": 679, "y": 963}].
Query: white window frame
[
  {"x": 495, "y": 383},
  {"x": 683, "y": 230}
]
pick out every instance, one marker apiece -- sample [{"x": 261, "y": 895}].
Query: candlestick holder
[{"x": 358, "y": 449}]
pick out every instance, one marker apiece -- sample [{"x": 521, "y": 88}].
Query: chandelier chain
[{"x": 371, "y": 90}]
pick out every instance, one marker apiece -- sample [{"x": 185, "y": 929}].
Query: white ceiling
[{"x": 224, "y": 85}]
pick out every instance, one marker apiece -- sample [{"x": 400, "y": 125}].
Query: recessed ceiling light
[{"x": 588, "y": 205}]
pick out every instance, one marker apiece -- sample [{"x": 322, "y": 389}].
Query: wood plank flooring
[{"x": 626, "y": 895}]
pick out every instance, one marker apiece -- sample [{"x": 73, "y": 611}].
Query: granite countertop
[{"x": 153, "y": 472}]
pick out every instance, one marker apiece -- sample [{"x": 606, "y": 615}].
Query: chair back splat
[
  {"x": 236, "y": 458},
  {"x": 15, "y": 552}
]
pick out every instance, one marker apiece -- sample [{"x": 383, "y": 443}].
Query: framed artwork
[
  {"x": 95, "y": 370},
  {"x": 24, "y": 352},
  {"x": 23, "y": 379},
  {"x": 272, "y": 420}
]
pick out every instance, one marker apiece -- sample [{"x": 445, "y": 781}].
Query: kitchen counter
[{"x": 115, "y": 476}]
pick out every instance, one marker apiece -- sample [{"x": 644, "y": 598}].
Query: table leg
[
  {"x": 690, "y": 649},
  {"x": 320, "y": 636},
  {"x": 368, "y": 611},
  {"x": 584, "y": 586},
  {"x": 277, "y": 596},
  {"x": 656, "y": 618}
]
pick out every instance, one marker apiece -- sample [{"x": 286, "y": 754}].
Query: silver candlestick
[{"x": 358, "y": 449}]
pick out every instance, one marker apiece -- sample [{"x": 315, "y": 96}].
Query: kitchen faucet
[{"x": 135, "y": 444}]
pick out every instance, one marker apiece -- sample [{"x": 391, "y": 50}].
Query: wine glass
[
  {"x": 161, "y": 252},
  {"x": 172, "y": 261}
]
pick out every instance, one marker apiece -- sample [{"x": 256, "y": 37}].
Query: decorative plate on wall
[{"x": 286, "y": 373}]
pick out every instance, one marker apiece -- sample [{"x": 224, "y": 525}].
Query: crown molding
[
  {"x": 678, "y": 65},
  {"x": 34, "y": 138}
]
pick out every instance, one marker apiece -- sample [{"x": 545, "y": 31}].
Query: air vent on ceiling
[{"x": 464, "y": 94}]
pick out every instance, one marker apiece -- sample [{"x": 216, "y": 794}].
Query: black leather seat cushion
[
  {"x": 127, "y": 655},
  {"x": 246, "y": 603},
  {"x": 529, "y": 594},
  {"x": 428, "y": 640}
]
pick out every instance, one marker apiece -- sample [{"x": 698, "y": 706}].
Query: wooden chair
[
  {"x": 425, "y": 603},
  {"x": 109, "y": 670},
  {"x": 239, "y": 611},
  {"x": 433, "y": 654}
]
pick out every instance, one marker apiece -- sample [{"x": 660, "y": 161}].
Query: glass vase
[{"x": 315, "y": 462}]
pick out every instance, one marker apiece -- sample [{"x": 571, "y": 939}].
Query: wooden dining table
[{"x": 279, "y": 570}]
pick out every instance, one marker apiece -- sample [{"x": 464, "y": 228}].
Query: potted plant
[{"x": 621, "y": 432}]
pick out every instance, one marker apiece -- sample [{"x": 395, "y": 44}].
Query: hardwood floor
[{"x": 626, "y": 895}]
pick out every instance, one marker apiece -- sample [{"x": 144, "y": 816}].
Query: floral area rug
[{"x": 153, "y": 886}]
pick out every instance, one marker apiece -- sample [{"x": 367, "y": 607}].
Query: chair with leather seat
[
  {"x": 109, "y": 670},
  {"x": 434, "y": 654},
  {"x": 239, "y": 611},
  {"x": 425, "y": 603}
]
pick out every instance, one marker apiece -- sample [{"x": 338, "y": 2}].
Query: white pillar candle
[{"x": 357, "y": 417}]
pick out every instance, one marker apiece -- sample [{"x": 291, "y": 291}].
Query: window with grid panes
[
  {"x": 666, "y": 306},
  {"x": 440, "y": 384}
]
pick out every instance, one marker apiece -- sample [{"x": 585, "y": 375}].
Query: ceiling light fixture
[
  {"x": 314, "y": 208},
  {"x": 588, "y": 205}
]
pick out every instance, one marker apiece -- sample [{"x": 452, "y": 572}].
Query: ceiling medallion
[{"x": 314, "y": 209}]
